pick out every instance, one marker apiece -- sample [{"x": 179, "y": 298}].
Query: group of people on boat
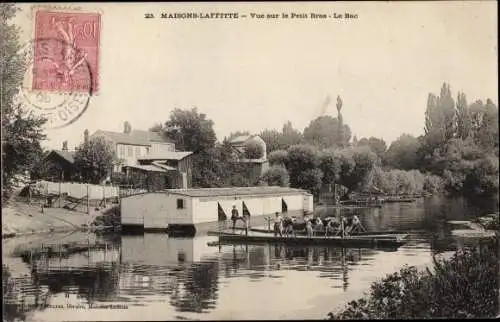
[{"x": 285, "y": 226}]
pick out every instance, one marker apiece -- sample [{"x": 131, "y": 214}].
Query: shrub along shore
[{"x": 463, "y": 286}]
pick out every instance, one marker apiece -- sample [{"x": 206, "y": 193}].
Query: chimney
[
  {"x": 65, "y": 146},
  {"x": 86, "y": 136},
  {"x": 127, "y": 128}
]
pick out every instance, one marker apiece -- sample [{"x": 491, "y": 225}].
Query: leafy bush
[
  {"x": 311, "y": 180},
  {"x": 276, "y": 176},
  {"x": 110, "y": 219},
  {"x": 404, "y": 182},
  {"x": 433, "y": 184},
  {"x": 278, "y": 157},
  {"x": 483, "y": 178},
  {"x": 465, "y": 286},
  {"x": 253, "y": 150}
]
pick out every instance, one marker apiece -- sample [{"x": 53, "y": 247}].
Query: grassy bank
[
  {"x": 20, "y": 219},
  {"x": 464, "y": 286}
]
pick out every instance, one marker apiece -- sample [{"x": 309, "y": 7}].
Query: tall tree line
[{"x": 21, "y": 131}]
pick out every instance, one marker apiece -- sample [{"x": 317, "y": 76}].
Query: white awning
[{"x": 148, "y": 168}]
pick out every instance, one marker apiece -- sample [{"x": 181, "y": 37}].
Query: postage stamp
[{"x": 63, "y": 66}]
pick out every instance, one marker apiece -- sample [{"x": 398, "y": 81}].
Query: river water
[{"x": 79, "y": 276}]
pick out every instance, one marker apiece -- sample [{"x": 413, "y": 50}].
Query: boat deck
[{"x": 227, "y": 236}]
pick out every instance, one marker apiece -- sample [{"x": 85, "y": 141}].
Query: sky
[{"x": 253, "y": 74}]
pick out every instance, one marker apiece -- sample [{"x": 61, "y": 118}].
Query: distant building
[
  {"x": 149, "y": 157},
  {"x": 254, "y": 168},
  {"x": 60, "y": 164},
  {"x": 130, "y": 145},
  {"x": 177, "y": 167}
]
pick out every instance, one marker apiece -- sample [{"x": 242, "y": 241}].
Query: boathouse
[{"x": 204, "y": 208}]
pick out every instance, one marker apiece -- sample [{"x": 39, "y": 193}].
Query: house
[
  {"x": 132, "y": 144},
  {"x": 60, "y": 164},
  {"x": 150, "y": 158},
  {"x": 253, "y": 167}
]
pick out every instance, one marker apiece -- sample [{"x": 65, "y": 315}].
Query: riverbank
[
  {"x": 464, "y": 285},
  {"x": 21, "y": 219}
]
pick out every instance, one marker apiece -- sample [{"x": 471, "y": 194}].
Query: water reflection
[{"x": 190, "y": 279}]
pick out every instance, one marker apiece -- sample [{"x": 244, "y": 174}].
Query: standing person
[
  {"x": 309, "y": 228},
  {"x": 278, "y": 225},
  {"x": 234, "y": 216}
]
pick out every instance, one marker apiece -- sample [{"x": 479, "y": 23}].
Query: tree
[
  {"x": 403, "y": 152},
  {"x": 218, "y": 167},
  {"x": 355, "y": 141},
  {"x": 233, "y": 135},
  {"x": 463, "y": 117},
  {"x": 310, "y": 179},
  {"x": 301, "y": 158},
  {"x": 127, "y": 127},
  {"x": 483, "y": 179},
  {"x": 324, "y": 132},
  {"x": 355, "y": 165},
  {"x": 290, "y": 136},
  {"x": 276, "y": 175},
  {"x": 190, "y": 130},
  {"x": 378, "y": 146},
  {"x": 272, "y": 139},
  {"x": 21, "y": 131},
  {"x": 330, "y": 165},
  {"x": 253, "y": 150},
  {"x": 156, "y": 128},
  {"x": 440, "y": 120},
  {"x": 484, "y": 125},
  {"x": 276, "y": 140},
  {"x": 94, "y": 159},
  {"x": 278, "y": 157}
]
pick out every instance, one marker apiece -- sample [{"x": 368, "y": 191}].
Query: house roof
[
  {"x": 66, "y": 155},
  {"x": 238, "y": 191},
  {"x": 151, "y": 136},
  {"x": 136, "y": 137},
  {"x": 148, "y": 168},
  {"x": 166, "y": 156}
]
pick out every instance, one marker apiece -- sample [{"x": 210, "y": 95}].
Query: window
[
  {"x": 180, "y": 203},
  {"x": 138, "y": 151},
  {"x": 130, "y": 151},
  {"x": 121, "y": 152}
]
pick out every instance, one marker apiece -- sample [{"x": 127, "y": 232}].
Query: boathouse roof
[
  {"x": 170, "y": 155},
  {"x": 236, "y": 191},
  {"x": 148, "y": 168}
]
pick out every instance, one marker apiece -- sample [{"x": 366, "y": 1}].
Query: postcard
[{"x": 249, "y": 160}]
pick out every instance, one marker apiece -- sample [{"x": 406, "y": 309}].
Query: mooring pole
[
  {"x": 88, "y": 200},
  {"x": 341, "y": 223}
]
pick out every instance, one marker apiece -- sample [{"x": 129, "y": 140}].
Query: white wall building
[{"x": 195, "y": 207}]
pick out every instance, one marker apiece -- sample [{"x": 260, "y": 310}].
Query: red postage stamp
[{"x": 66, "y": 52}]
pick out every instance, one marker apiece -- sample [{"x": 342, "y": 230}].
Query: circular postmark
[{"x": 57, "y": 83}]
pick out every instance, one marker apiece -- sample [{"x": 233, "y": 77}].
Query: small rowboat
[{"x": 377, "y": 241}]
